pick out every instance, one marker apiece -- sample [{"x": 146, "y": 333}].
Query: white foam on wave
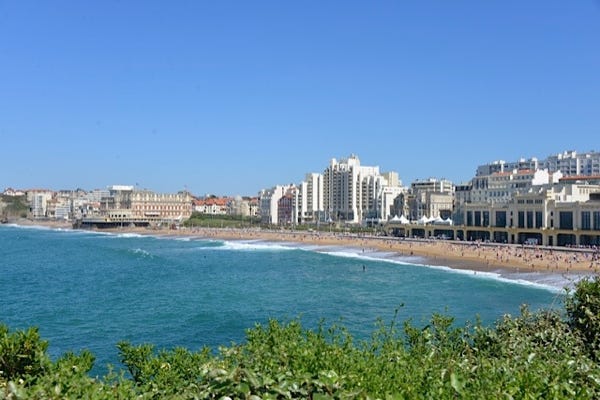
[
  {"x": 128, "y": 235},
  {"x": 142, "y": 252},
  {"x": 551, "y": 282},
  {"x": 251, "y": 246}
]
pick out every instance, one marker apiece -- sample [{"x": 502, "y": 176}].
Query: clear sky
[{"x": 228, "y": 97}]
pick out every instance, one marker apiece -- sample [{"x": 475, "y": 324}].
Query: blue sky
[{"x": 229, "y": 97}]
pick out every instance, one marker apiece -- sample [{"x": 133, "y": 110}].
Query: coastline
[{"x": 513, "y": 261}]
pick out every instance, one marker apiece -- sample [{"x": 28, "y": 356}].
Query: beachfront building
[
  {"x": 390, "y": 202},
  {"x": 310, "y": 199},
  {"x": 38, "y": 202},
  {"x": 167, "y": 207},
  {"x": 430, "y": 198},
  {"x": 212, "y": 205},
  {"x": 501, "y": 187},
  {"x": 352, "y": 192},
  {"x": 564, "y": 214},
  {"x": 243, "y": 206},
  {"x": 560, "y": 214},
  {"x": 269, "y": 202},
  {"x": 287, "y": 210}
]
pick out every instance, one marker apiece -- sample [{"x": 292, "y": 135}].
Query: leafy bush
[{"x": 583, "y": 310}]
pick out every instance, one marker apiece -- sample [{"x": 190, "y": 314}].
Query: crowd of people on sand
[{"x": 457, "y": 254}]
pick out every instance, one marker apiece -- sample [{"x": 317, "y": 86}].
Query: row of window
[{"x": 590, "y": 220}]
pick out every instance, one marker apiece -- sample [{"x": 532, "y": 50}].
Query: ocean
[{"x": 89, "y": 290}]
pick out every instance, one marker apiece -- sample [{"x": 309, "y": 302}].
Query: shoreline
[{"x": 505, "y": 260}]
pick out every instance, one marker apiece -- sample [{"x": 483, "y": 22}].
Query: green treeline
[{"x": 546, "y": 354}]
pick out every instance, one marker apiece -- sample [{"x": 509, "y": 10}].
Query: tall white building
[
  {"x": 309, "y": 200},
  {"x": 354, "y": 193}
]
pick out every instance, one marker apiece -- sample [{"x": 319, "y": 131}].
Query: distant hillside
[{"x": 13, "y": 206}]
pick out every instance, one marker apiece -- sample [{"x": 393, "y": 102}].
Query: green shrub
[
  {"x": 22, "y": 354},
  {"x": 583, "y": 310}
]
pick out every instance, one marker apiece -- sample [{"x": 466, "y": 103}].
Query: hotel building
[{"x": 354, "y": 193}]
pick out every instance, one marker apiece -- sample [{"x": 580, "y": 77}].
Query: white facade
[
  {"x": 569, "y": 163},
  {"x": 385, "y": 200},
  {"x": 430, "y": 198},
  {"x": 38, "y": 200},
  {"x": 309, "y": 198},
  {"x": 268, "y": 203},
  {"x": 352, "y": 193},
  {"x": 500, "y": 187}
]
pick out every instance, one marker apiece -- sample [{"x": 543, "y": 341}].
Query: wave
[
  {"x": 253, "y": 246},
  {"x": 141, "y": 252},
  {"x": 552, "y": 282}
]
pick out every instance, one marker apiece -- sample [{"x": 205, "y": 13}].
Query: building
[
  {"x": 212, "y": 205},
  {"x": 559, "y": 214},
  {"x": 243, "y": 206},
  {"x": 354, "y": 193},
  {"x": 145, "y": 204},
  {"x": 310, "y": 199},
  {"x": 38, "y": 201},
  {"x": 430, "y": 198},
  {"x": 500, "y": 187},
  {"x": 569, "y": 163},
  {"x": 269, "y": 203},
  {"x": 286, "y": 207}
]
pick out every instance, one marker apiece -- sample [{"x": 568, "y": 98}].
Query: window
[
  {"x": 596, "y": 220},
  {"x": 521, "y": 219},
  {"x": 500, "y": 219},
  {"x": 530, "y": 219},
  {"x": 586, "y": 224},
  {"x": 477, "y": 218},
  {"x": 539, "y": 219},
  {"x": 565, "y": 220}
]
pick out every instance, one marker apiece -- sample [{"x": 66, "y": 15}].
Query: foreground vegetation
[{"x": 545, "y": 354}]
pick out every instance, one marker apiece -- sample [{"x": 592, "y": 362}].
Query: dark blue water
[{"x": 87, "y": 290}]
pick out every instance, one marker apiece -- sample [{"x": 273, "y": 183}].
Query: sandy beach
[{"x": 454, "y": 254}]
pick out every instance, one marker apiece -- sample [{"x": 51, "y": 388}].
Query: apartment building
[
  {"x": 569, "y": 163},
  {"x": 310, "y": 199},
  {"x": 354, "y": 193},
  {"x": 269, "y": 203},
  {"x": 430, "y": 198}
]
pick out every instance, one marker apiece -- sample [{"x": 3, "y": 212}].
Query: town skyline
[
  {"x": 569, "y": 157},
  {"x": 237, "y": 97}
]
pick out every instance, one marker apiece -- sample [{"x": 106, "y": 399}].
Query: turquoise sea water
[{"x": 87, "y": 290}]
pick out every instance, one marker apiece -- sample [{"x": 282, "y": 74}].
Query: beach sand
[{"x": 454, "y": 254}]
